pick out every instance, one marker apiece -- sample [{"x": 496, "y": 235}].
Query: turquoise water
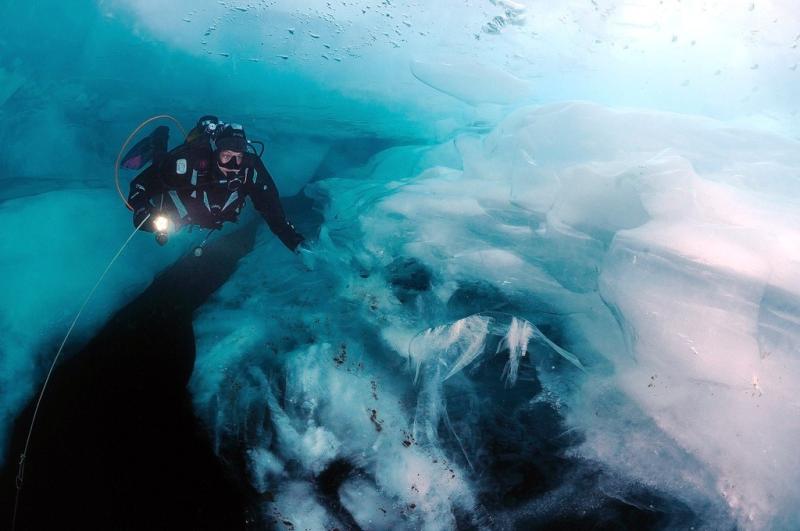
[{"x": 622, "y": 176}]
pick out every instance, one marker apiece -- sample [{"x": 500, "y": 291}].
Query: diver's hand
[
  {"x": 139, "y": 217},
  {"x": 307, "y": 256}
]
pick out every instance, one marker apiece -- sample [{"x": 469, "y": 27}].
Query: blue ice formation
[
  {"x": 568, "y": 232},
  {"x": 653, "y": 256}
]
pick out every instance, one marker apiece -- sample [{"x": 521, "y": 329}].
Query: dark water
[{"x": 116, "y": 444}]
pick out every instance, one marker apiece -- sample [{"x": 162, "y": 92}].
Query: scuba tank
[
  {"x": 209, "y": 127},
  {"x": 205, "y": 129},
  {"x": 150, "y": 148},
  {"x": 154, "y": 146}
]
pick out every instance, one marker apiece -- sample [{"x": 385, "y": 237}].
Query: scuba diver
[{"x": 203, "y": 182}]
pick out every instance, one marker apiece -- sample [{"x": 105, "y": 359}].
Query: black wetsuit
[{"x": 187, "y": 186}]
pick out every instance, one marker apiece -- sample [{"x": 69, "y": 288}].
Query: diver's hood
[{"x": 232, "y": 138}]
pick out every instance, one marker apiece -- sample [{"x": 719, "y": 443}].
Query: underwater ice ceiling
[{"x": 557, "y": 248}]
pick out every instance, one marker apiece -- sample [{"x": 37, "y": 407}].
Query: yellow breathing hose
[{"x": 128, "y": 141}]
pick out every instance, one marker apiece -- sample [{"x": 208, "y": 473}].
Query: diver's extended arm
[
  {"x": 143, "y": 187},
  {"x": 265, "y": 198}
]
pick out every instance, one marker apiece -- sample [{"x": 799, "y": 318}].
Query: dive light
[{"x": 161, "y": 224}]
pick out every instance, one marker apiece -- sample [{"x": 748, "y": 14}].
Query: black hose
[{"x": 250, "y": 144}]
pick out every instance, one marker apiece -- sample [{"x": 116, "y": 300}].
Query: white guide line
[{"x": 23, "y": 455}]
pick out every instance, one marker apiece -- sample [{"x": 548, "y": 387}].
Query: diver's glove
[
  {"x": 139, "y": 216},
  {"x": 307, "y": 256}
]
